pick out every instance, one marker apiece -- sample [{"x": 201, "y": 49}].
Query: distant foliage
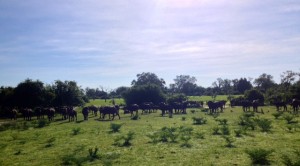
[
  {"x": 144, "y": 93},
  {"x": 259, "y": 156}
]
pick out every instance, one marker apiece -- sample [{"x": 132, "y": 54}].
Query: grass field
[{"x": 75, "y": 143}]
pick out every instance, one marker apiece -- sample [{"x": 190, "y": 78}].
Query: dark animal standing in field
[
  {"x": 110, "y": 110},
  {"x": 165, "y": 108},
  {"x": 64, "y": 112},
  {"x": 295, "y": 104},
  {"x": 255, "y": 104},
  {"x": 50, "y": 113},
  {"x": 39, "y": 112},
  {"x": 27, "y": 113},
  {"x": 94, "y": 109},
  {"x": 146, "y": 107},
  {"x": 72, "y": 114},
  {"x": 85, "y": 112},
  {"x": 246, "y": 104},
  {"x": 280, "y": 104},
  {"x": 132, "y": 108},
  {"x": 180, "y": 107},
  {"x": 214, "y": 106},
  {"x": 13, "y": 114}
]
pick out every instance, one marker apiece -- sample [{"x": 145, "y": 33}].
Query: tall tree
[
  {"x": 288, "y": 78},
  {"x": 264, "y": 82},
  {"x": 67, "y": 93},
  {"x": 148, "y": 78},
  {"x": 29, "y": 93},
  {"x": 241, "y": 85},
  {"x": 184, "y": 84}
]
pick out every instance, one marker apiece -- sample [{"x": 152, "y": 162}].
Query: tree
[
  {"x": 29, "y": 94},
  {"x": 241, "y": 85},
  {"x": 288, "y": 78},
  {"x": 90, "y": 93},
  {"x": 254, "y": 94},
  {"x": 67, "y": 93},
  {"x": 120, "y": 90},
  {"x": 217, "y": 85},
  {"x": 184, "y": 84},
  {"x": 264, "y": 82},
  {"x": 148, "y": 78},
  {"x": 144, "y": 93}
]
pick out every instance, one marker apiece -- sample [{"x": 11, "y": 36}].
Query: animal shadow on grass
[
  {"x": 79, "y": 121},
  {"x": 103, "y": 120}
]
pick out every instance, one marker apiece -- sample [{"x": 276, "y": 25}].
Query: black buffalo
[
  {"x": 132, "y": 108},
  {"x": 85, "y": 112},
  {"x": 72, "y": 114},
  {"x": 110, "y": 110},
  {"x": 295, "y": 104}
]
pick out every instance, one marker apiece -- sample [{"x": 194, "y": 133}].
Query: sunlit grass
[{"x": 54, "y": 143}]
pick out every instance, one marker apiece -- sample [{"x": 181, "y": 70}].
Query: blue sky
[{"x": 107, "y": 42}]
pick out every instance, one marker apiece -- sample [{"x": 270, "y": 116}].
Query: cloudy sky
[{"x": 108, "y": 42}]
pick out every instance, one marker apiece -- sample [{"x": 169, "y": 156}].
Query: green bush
[
  {"x": 76, "y": 131},
  {"x": 264, "y": 124},
  {"x": 200, "y": 135},
  {"x": 199, "y": 120},
  {"x": 229, "y": 141},
  {"x": 289, "y": 118},
  {"x": 238, "y": 132},
  {"x": 115, "y": 127},
  {"x": 225, "y": 130},
  {"x": 222, "y": 121},
  {"x": 135, "y": 117},
  {"x": 277, "y": 114},
  {"x": 288, "y": 159},
  {"x": 259, "y": 156},
  {"x": 216, "y": 130},
  {"x": 42, "y": 123},
  {"x": 93, "y": 154},
  {"x": 124, "y": 140}
]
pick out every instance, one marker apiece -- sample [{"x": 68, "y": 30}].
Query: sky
[{"x": 108, "y": 42}]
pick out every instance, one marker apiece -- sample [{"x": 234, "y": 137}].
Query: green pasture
[{"x": 69, "y": 143}]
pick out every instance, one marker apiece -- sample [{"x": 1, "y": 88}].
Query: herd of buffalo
[{"x": 69, "y": 112}]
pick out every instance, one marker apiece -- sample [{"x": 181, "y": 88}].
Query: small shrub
[
  {"x": 247, "y": 122},
  {"x": 229, "y": 141},
  {"x": 155, "y": 137},
  {"x": 200, "y": 135},
  {"x": 72, "y": 159},
  {"x": 136, "y": 117},
  {"x": 185, "y": 135},
  {"x": 216, "y": 130},
  {"x": 264, "y": 124},
  {"x": 76, "y": 131},
  {"x": 222, "y": 121},
  {"x": 124, "y": 140},
  {"x": 183, "y": 118},
  {"x": 238, "y": 132},
  {"x": 225, "y": 130},
  {"x": 288, "y": 159},
  {"x": 185, "y": 139},
  {"x": 289, "y": 118},
  {"x": 42, "y": 123},
  {"x": 93, "y": 154},
  {"x": 199, "y": 120},
  {"x": 115, "y": 127},
  {"x": 277, "y": 114},
  {"x": 259, "y": 156},
  {"x": 193, "y": 111}
]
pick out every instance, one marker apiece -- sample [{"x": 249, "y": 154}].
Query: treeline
[{"x": 147, "y": 87}]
